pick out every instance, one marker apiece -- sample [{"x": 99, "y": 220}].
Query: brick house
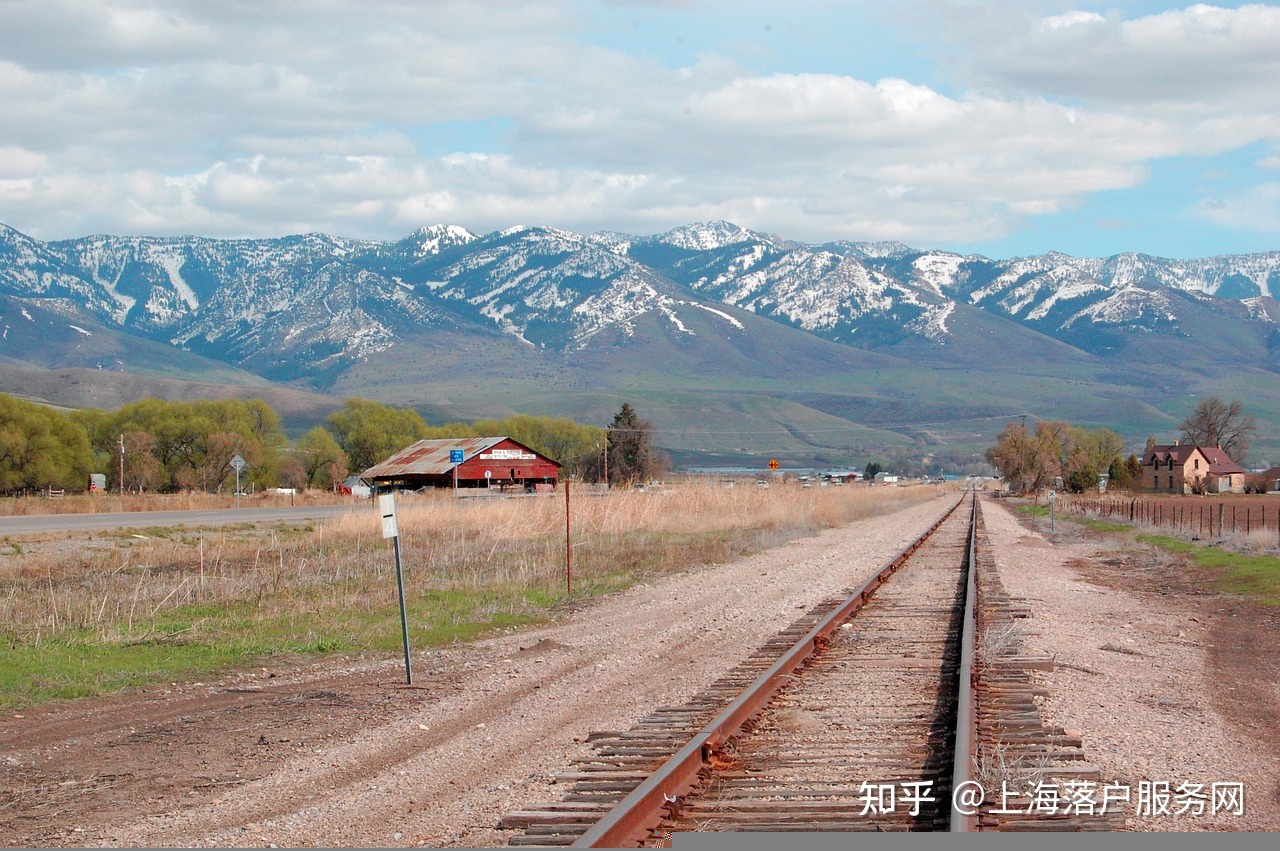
[{"x": 1183, "y": 468}]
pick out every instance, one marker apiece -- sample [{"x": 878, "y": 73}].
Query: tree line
[
  {"x": 1030, "y": 460},
  {"x": 170, "y": 446}
]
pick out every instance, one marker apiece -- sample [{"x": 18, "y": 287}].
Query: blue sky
[{"x": 1001, "y": 128}]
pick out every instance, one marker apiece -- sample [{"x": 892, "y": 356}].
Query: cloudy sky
[{"x": 1000, "y": 127}]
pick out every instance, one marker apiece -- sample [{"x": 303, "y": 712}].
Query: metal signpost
[
  {"x": 455, "y": 458},
  {"x": 568, "y": 545},
  {"x": 238, "y": 463},
  {"x": 1052, "y": 525},
  {"x": 391, "y": 529}
]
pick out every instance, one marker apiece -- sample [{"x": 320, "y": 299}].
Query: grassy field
[
  {"x": 107, "y": 503},
  {"x": 102, "y": 611},
  {"x": 1243, "y": 564},
  {"x": 1243, "y": 574}
]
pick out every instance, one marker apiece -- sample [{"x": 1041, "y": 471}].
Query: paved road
[{"x": 141, "y": 519}]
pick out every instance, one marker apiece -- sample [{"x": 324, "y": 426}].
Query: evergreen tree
[{"x": 632, "y": 456}]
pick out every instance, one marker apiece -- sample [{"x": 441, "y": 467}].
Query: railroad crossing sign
[{"x": 773, "y": 463}]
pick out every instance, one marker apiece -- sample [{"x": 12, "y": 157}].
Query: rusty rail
[
  {"x": 965, "y": 750},
  {"x": 643, "y": 808}
]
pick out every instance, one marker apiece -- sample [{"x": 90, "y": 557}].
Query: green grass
[
  {"x": 1252, "y": 576},
  {"x": 200, "y": 638},
  {"x": 195, "y": 640},
  {"x": 1255, "y": 577},
  {"x": 1102, "y": 525}
]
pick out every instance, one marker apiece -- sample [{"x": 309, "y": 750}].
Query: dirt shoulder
[
  {"x": 1168, "y": 681},
  {"x": 340, "y": 753}
]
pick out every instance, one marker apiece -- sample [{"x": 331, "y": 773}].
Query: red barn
[{"x": 487, "y": 462}]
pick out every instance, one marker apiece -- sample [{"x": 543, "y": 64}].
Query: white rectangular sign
[
  {"x": 387, "y": 506},
  {"x": 509, "y": 455}
]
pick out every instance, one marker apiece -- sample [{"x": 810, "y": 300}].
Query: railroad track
[{"x": 863, "y": 715}]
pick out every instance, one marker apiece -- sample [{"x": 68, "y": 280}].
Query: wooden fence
[{"x": 1205, "y": 517}]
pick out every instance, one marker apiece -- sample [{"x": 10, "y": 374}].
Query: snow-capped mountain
[{"x": 307, "y": 307}]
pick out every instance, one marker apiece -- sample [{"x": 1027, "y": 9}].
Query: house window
[
  {"x": 1197, "y": 463},
  {"x": 1156, "y": 483}
]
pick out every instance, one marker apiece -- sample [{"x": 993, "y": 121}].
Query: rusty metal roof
[{"x": 429, "y": 457}]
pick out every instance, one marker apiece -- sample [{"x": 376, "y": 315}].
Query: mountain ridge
[{"x": 322, "y": 312}]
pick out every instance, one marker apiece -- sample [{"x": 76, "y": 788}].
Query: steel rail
[
  {"x": 636, "y": 815},
  {"x": 964, "y": 750}
]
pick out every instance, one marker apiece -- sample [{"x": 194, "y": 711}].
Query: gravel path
[{"x": 1136, "y": 674}]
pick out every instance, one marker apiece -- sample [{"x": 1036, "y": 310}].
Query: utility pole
[
  {"x": 606, "y": 459},
  {"x": 122, "y": 469}
]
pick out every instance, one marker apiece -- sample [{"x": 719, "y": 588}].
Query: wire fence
[{"x": 1203, "y": 516}]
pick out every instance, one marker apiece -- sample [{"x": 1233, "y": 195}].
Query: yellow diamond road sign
[{"x": 773, "y": 463}]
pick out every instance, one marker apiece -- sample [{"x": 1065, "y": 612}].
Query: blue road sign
[{"x": 455, "y": 456}]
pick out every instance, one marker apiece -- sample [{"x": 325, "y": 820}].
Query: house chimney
[{"x": 1175, "y": 441}]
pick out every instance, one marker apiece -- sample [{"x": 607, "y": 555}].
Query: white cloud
[
  {"x": 1202, "y": 58},
  {"x": 1075, "y": 18},
  {"x": 1256, "y": 208},
  {"x": 270, "y": 117}
]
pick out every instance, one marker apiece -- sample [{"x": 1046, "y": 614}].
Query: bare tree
[
  {"x": 1218, "y": 423},
  {"x": 1029, "y": 462}
]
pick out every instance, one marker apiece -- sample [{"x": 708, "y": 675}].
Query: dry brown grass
[
  {"x": 467, "y": 562},
  {"x": 107, "y": 503}
]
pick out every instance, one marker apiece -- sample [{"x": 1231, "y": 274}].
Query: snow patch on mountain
[
  {"x": 625, "y": 300},
  {"x": 616, "y": 243},
  {"x": 705, "y": 236},
  {"x": 740, "y": 265},
  {"x": 1129, "y": 306},
  {"x": 726, "y": 317},
  {"x": 171, "y": 261},
  {"x": 937, "y": 271},
  {"x": 667, "y": 311},
  {"x": 932, "y": 324},
  {"x": 436, "y": 238}
]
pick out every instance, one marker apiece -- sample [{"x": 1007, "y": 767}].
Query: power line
[{"x": 826, "y": 429}]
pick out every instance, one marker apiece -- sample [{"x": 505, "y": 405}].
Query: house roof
[
  {"x": 431, "y": 457},
  {"x": 1219, "y": 462}
]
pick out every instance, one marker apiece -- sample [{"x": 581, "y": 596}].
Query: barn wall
[{"x": 504, "y": 458}]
